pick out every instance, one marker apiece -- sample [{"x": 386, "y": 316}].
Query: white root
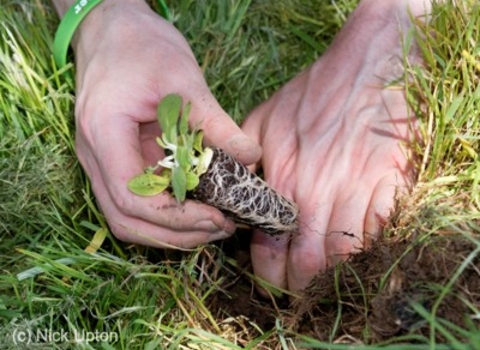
[{"x": 231, "y": 187}]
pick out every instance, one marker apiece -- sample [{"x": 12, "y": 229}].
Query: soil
[
  {"x": 242, "y": 195},
  {"x": 378, "y": 295}
]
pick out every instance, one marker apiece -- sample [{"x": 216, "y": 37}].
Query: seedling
[
  {"x": 210, "y": 175},
  {"x": 185, "y": 158}
]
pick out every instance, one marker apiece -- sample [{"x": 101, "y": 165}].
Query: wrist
[
  {"x": 105, "y": 12},
  {"x": 82, "y": 17}
]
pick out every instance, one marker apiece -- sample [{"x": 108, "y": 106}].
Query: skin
[
  {"x": 122, "y": 71},
  {"x": 334, "y": 140},
  {"x": 332, "y": 137}
]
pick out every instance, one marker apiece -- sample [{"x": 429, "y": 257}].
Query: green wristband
[
  {"x": 72, "y": 19},
  {"x": 69, "y": 24}
]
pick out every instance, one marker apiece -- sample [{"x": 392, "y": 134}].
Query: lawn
[{"x": 67, "y": 283}]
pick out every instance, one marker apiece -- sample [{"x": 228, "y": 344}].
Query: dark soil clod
[
  {"x": 389, "y": 310},
  {"x": 366, "y": 300}
]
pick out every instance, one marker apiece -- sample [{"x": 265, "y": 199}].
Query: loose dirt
[{"x": 380, "y": 294}]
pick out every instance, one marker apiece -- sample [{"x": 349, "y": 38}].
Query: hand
[
  {"x": 335, "y": 140},
  {"x": 127, "y": 59}
]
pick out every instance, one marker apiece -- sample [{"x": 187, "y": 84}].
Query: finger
[
  {"x": 269, "y": 258},
  {"x": 114, "y": 166},
  {"x": 307, "y": 250},
  {"x": 346, "y": 223},
  {"x": 251, "y": 127},
  {"x": 138, "y": 231},
  {"x": 219, "y": 128},
  {"x": 270, "y": 253},
  {"x": 277, "y": 138},
  {"x": 381, "y": 206},
  {"x": 151, "y": 152}
]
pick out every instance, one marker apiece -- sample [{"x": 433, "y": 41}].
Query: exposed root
[{"x": 229, "y": 186}]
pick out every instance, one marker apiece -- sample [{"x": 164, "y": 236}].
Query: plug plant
[{"x": 210, "y": 175}]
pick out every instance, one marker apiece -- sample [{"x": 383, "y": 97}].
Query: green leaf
[
  {"x": 167, "y": 173},
  {"x": 204, "y": 161},
  {"x": 197, "y": 143},
  {"x": 183, "y": 123},
  {"x": 161, "y": 143},
  {"x": 148, "y": 184},
  {"x": 187, "y": 141},
  {"x": 172, "y": 136},
  {"x": 182, "y": 157},
  {"x": 168, "y": 112},
  {"x": 179, "y": 184},
  {"x": 192, "y": 181}
]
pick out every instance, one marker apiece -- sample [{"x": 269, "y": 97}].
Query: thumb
[{"x": 220, "y": 130}]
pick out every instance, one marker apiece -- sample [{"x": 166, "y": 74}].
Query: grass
[{"x": 153, "y": 299}]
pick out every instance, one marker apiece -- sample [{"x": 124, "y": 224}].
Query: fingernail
[
  {"x": 241, "y": 143},
  {"x": 229, "y": 227},
  {"x": 218, "y": 236},
  {"x": 208, "y": 225}
]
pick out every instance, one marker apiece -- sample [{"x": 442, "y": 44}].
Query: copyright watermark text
[{"x": 23, "y": 336}]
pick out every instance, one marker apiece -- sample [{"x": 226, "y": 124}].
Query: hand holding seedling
[
  {"x": 211, "y": 175},
  {"x": 186, "y": 158},
  {"x": 127, "y": 58},
  {"x": 335, "y": 139}
]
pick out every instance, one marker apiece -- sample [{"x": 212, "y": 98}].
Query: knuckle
[
  {"x": 309, "y": 261},
  {"x": 85, "y": 121},
  {"x": 341, "y": 245},
  {"x": 123, "y": 201},
  {"x": 211, "y": 123},
  {"x": 119, "y": 232}
]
